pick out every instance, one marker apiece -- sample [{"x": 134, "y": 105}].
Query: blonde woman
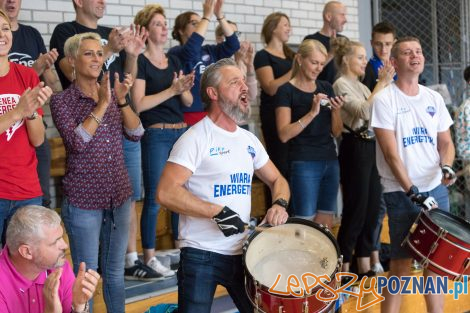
[
  {"x": 310, "y": 128},
  {"x": 359, "y": 177}
]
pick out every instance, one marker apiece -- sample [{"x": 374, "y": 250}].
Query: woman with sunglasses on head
[
  {"x": 359, "y": 176},
  {"x": 273, "y": 67},
  {"x": 189, "y": 30},
  {"x": 91, "y": 118},
  {"x": 309, "y": 129}
]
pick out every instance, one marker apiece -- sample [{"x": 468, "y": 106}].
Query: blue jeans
[
  {"x": 314, "y": 187},
  {"x": 156, "y": 146},
  {"x": 402, "y": 213},
  {"x": 133, "y": 161},
  {"x": 9, "y": 207},
  {"x": 200, "y": 272},
  {"x": 102, "y": 233}
]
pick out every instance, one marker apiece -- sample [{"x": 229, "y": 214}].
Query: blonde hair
[
  {"x": 269, "y": 25},
  {"x": 144, "y": 16},
  {"x": 5, "y": 16},
  {"x": 342, "y": 47},
  {"x": 306, "y": 48},
  {"x": 72, "y": 44}
]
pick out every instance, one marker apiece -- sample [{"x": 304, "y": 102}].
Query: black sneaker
[{"x": 140, "y": 271}]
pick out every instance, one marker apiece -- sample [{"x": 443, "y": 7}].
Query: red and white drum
[
  {"x": 295, "y": 248},
  {"x": 440, "y": 241}
]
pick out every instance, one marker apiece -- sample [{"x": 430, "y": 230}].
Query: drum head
[
  {"x": 290, "y": 249},
  {"x": 456, "y": 226}
]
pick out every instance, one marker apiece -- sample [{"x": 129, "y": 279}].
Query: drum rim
[
  {"x": 451, "y": 216},
  {"x": 296, "y": 220}
]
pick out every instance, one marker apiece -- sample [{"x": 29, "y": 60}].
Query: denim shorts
[
  {"x": 314, "y": 187},
  {"x": 402, "y": 213},
  {"x": 133, "y": 161}
]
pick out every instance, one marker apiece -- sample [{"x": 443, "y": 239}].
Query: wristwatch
[
  {"x": 32, "y": 116},
  {"x": 413, "y": 191},
  {"x": 281, "y": 202}
]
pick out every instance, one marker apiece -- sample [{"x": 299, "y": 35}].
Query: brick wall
[{"x": 305, "y": 16}]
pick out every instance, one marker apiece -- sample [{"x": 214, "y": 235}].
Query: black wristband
[
  {"x": 205, "y": 18},
  {"x": 281, "y": 202},
  {"x": 221, "y": 18},
  {"x": 123, "y": 105},
  {"x": 413, "y": 191}
]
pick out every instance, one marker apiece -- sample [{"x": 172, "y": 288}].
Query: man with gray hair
[
  {"x": 34, "y": 274},
  {"x": 207, "y": 179}
]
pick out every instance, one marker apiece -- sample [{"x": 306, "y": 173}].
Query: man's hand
[
  {"x": 229, "y": 222},
  {"x": 50, "y": 292},
  {"x": 421, "y": 198},
  {"x": 448, "y": 175},
  {"x": 84, "y": 287},
  {"x": 276, "y": 215},
  {"x": 45, "y": 61}
]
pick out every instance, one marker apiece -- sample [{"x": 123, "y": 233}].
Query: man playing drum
[
  {"x": 415, "y": 157},
  {"x": 207, "y": 179}
]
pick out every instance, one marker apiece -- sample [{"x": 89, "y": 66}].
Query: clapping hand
[
  {"x": 45, "y": 61},
  {"x": 50, "y": 292},
  {"x": 182, "y": 83},
  {"x": 135, "y": 42},
  {"x": 104, "y": 90},
  {"x": 122, "y": 88},
  {"x": 84, "y": 287},
  {"x": 32, "y": 99}
]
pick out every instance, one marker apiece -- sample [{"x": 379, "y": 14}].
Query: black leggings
[{"x": 361, "y": 197}]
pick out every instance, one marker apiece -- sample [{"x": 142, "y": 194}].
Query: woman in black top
[
  {"x": 159, "y": 93},
  {"x": 273, "y": 68},
  {"x": 309, "y": 128}
]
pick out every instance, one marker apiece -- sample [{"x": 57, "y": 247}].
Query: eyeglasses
[{"x": 238, "y": 33}]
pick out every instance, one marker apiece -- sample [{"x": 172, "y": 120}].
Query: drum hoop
[
  {"x": 430, "y": 262},
  {"x": 445, "y": 237},
  {"x": 450, "y": 216},
  {"x": 294, "y": 220}
]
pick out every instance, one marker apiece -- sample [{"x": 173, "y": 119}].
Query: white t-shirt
[
  {"x": 416, "y": 121},
  {"x": 222, "y": 164}
]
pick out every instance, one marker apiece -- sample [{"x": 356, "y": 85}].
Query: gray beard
[{"x": 233, "y": 110}]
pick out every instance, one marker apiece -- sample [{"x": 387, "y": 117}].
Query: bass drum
[
  {"x": 294, "y": 248},
  {"x": 440, "y": 241}
]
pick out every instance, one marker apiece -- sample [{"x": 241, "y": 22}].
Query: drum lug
[
  {"x": 425, "y": 263},
  {"x": 305, "y": 306},
  {"x": 281, "y": 309},
  {"x": 442, "y": 233},
  {"x": 422, "y": 231},
  {"x": 434, "y": 247},
  {"x": 416, "y": 241},
  {"x": 466, "y": 264}
]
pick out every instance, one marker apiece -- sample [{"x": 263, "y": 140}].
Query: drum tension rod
[{"x": 305, "y": 307}]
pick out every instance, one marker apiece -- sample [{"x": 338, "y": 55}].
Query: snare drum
[
  {"x": 294, "y": 248},
  {"x": 440, "y": 241}
]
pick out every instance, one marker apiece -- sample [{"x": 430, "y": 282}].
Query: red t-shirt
[{"x": 18, "y": 175}]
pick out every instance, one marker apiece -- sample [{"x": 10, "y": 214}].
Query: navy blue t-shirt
[
  {"x": 157, "y": 80},
  {"x": 315, "y": 142},
  {"x": 26, "y": 46},
  {"x": 63, "y": 31}
]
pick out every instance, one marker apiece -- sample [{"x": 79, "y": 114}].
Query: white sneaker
[
  {"x": 160, "y": 268},
  {"x": 377, "y": 267}
]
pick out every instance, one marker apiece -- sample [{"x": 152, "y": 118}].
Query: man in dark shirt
[
  {"x": 334, "y": 18},
  {"x": 28, "y": 49}
]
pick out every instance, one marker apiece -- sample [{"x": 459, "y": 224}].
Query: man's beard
[{"x": 234, "y": 111}]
